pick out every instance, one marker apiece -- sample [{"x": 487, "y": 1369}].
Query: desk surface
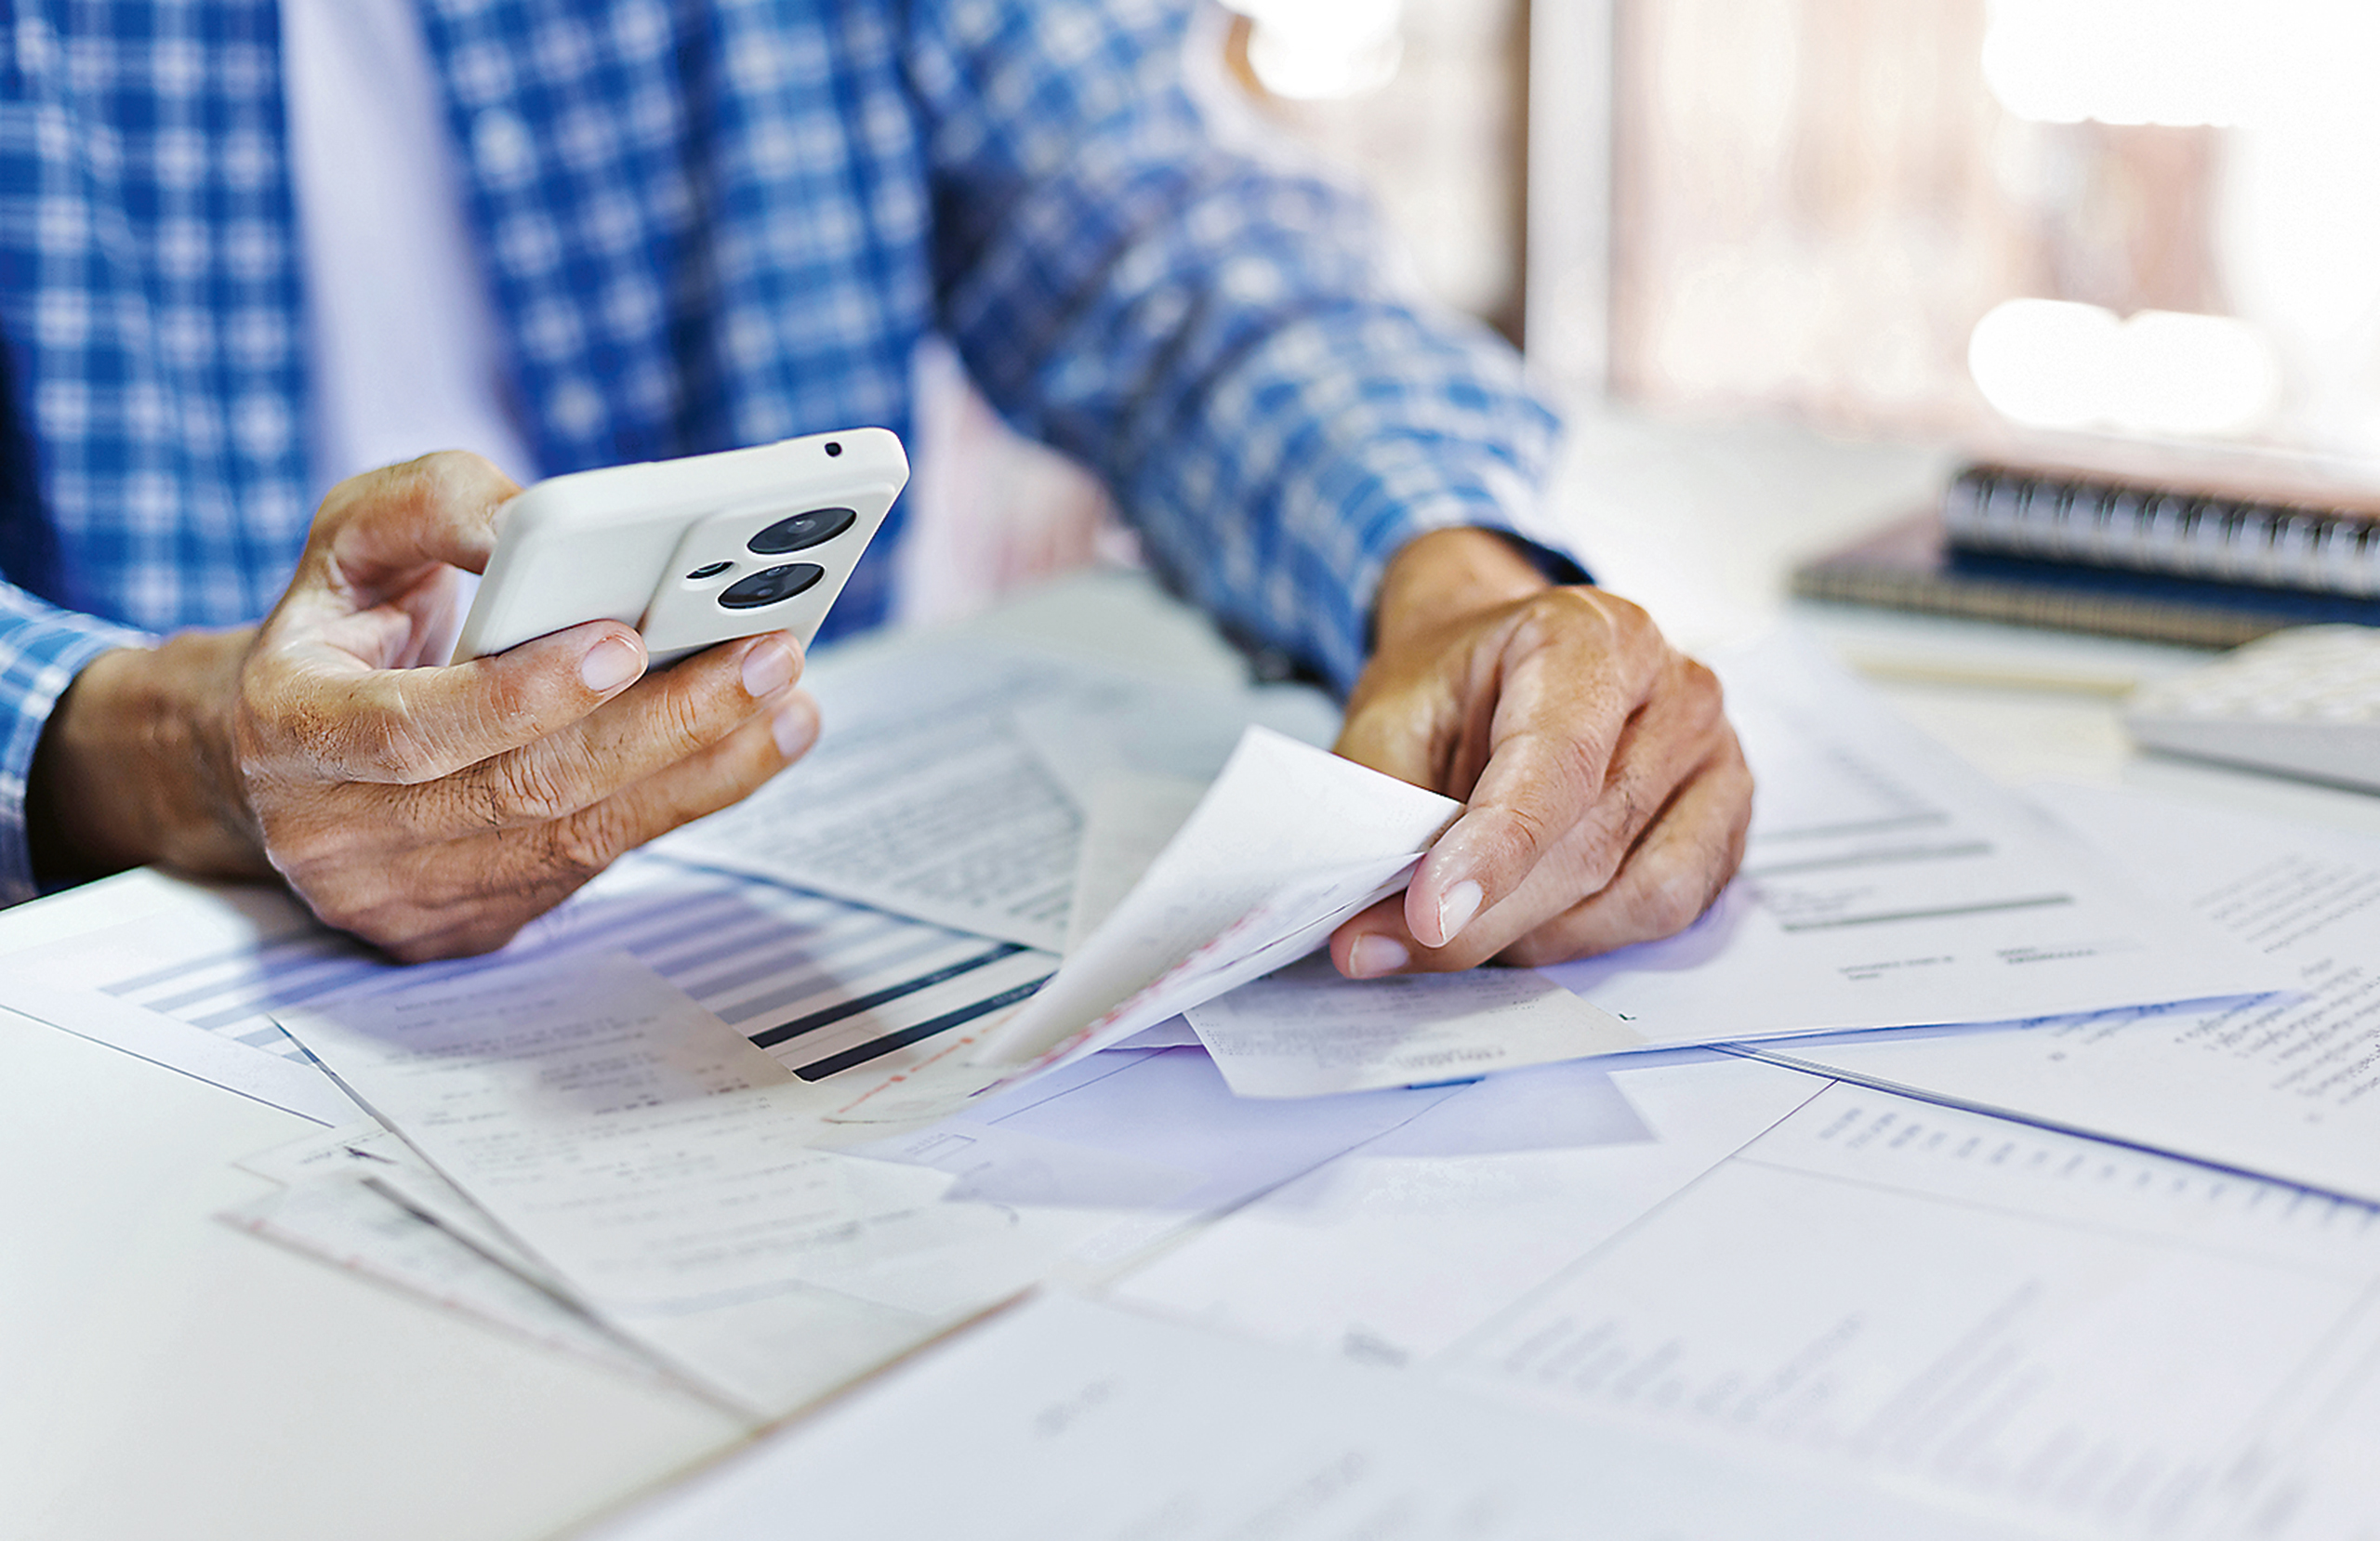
[{"x": 167, "y": 1374}]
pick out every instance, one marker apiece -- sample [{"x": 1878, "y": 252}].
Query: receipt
[{"x": 1289, "y": 842}]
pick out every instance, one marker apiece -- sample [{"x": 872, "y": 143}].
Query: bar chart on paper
[{"x": 823, "y": 986}]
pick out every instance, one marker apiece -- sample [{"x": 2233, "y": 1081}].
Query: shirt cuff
[{"x": 40, "y": 654}]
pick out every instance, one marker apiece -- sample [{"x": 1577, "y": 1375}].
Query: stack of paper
[
  {"x": 2081, "y": 1338},
  {"x": 589, "y": 1127},
  {"x": 632, "y": 1146},
  {"x": 812, "y": 1084}
]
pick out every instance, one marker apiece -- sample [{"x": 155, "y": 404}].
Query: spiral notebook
[
  {"x": 2205, "y": 549},
  {"x": 1912, "y": 565},
  {"x": 2277, "y": 528}
]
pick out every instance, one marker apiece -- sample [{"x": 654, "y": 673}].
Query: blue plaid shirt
[{"x": 707, "y": 223}]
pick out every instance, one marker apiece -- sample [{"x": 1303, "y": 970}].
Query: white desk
[{"x": 167, "y": 1375}]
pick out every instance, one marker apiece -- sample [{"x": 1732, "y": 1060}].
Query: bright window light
[
  {"x": 2222, "y": 62},
  {"x": 2041, "y": 360},
  {"x": 2056, "y": 364},
  {"x": 1318, "y": 49}
]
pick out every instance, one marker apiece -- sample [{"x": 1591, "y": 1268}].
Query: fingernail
[
  {"x": 795, "y": 729},
  {"x": 610, "y": 663},
  {"x": 1456, "y": 907},
  {"x": 768, "y": 667},
  {"x": 1373, "y": 956}
]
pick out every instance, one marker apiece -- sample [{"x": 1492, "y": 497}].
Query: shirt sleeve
[
  {"x": 42, "y": 647},
  {"x": 1224, "y": 338}
]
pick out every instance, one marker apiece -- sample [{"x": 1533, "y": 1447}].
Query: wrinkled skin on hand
[
  {"x": 430, "y": 809},
  {"x": 1607, "y": 796}
]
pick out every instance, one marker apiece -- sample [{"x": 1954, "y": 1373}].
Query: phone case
[{"x": 690, "y": 552}]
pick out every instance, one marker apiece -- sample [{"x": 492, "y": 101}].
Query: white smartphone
[{"x": 690, "y": 552}]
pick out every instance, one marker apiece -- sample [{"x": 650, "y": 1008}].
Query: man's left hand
[{"x": 1607, "y": 798}]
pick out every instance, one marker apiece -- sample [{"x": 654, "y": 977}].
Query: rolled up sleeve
[{"x": 1226, "y": 339}]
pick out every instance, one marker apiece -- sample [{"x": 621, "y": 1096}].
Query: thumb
[{"x": 379, "y": 533}]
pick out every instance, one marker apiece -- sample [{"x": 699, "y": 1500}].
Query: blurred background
[{"x": 1914, "y": 223}]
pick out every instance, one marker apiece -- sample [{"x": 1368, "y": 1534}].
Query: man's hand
[
  {"x": 1608, "y": 795},
  {"x": 434, "y": 810}
]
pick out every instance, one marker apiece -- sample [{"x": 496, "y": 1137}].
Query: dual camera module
[{"x": 773, "y": 585}]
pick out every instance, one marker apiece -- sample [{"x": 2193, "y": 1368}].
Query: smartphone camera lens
[
  {"x": 802, "y": 531},
  {"x": 770, "y": 584},
  {"x": 709, "y": 570}
]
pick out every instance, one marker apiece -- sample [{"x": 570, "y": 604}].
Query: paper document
[
  {"x": 172, "y": 974},
  {"x": 836, "y": 994},
  {"x": 843, "y": 996},
  {"x": 1307, "y": 1032},
  {"x": 1396, "y": 1253},
  {"x": 1064, "y": 1420},
  {"x": 621, "y": 1133},
  {"x": 923, "y": 797},
  {"x": 373, "y": 1156},
  {"x": 2069, "y": 1331},
  {"x": 1886, "y": 883},
  {"x": 1069, "y": 1178},
  {"x": 1129, "y": 818},
  {"x": 619, "y": 1145},
  {"x": 1094, "y": 1164},
  {"x": 2073, "y": 1334},
  {"x": 2307, "y": 1474},
  {"x": 656, "y": 1162},
  {"x": 346, "y": 1221},
  {"x": 1289, "y": 841},
  {"x": 2281, "y": 1087},
  {"x": 336, "y": 1203},
  {"x": 1163, "y": 730},
  {"x": 357, "y": 1149}
]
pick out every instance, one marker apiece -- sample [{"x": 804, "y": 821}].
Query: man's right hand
[{"x": 432, "y": 811}]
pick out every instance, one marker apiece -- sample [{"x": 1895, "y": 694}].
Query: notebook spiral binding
[{"x": 2010, "y": 511}]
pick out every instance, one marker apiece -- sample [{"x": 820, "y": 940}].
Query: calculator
[{"x": 2304, "y": 702}]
